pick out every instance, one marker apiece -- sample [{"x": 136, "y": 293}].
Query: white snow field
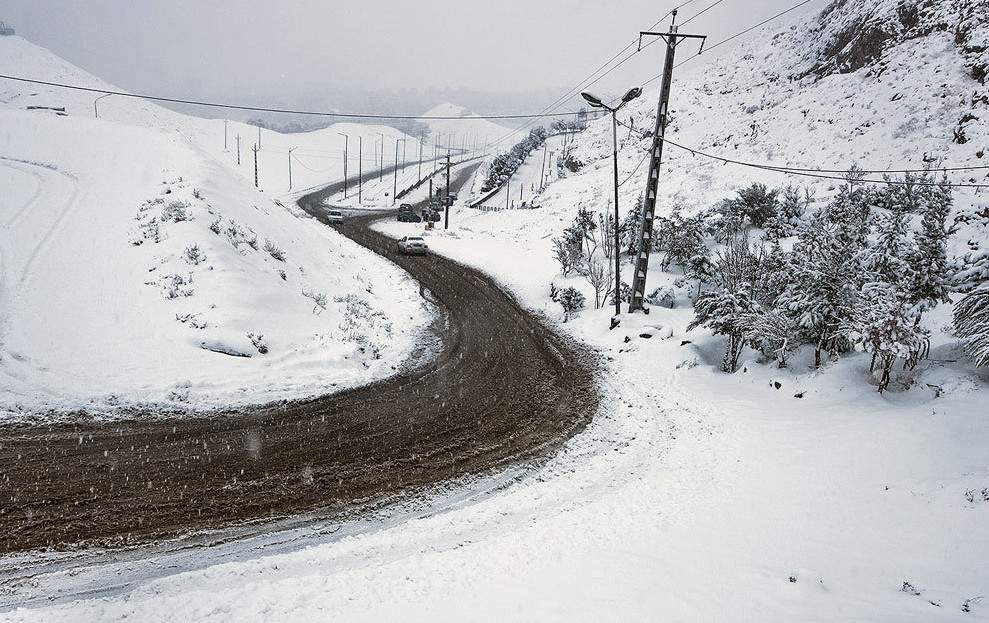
[
  {"x": 141, "y": 268},
  {"x": 693, "y": 495}
]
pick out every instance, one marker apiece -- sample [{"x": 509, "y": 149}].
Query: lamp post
[
  {"x": 96, "y": 110},
  {"x": 381, "y": 152},
  {"x": 291, "y": 149},
  {"x": 596, "y": 102},
  {"x": 346, "y": 142}
]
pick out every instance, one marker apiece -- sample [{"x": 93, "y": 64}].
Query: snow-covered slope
[
  {"x": 768, "y": 495},
  {"x": 479, "y": 130},
  {"x": 140, "y": 266}
]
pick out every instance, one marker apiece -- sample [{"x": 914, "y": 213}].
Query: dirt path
[{"x": 503, "y": 388}]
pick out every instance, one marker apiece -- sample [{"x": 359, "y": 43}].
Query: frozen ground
[{"x": 694, "y": 496}]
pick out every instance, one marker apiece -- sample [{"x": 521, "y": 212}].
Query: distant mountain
[{"x": 465, "y": 125}]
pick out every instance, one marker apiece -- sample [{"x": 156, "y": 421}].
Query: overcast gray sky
[{"x": 310, "y": 52}]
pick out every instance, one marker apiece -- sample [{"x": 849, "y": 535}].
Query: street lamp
[
  {"x": 96, "y": 110},
  {"x": 596, "y": 102},
  {"x": 291, "y": 149},
  {"x": 346, "y": 142},
  {"x": 381, "y": 166}
]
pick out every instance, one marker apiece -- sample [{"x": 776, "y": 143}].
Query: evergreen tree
[
  {"x": 885, "y": 259},
  {"x": 725, "y": 308},
  {"x": 772, "y": 333},
  {"x": 929, "y": 261},
  {"x": 758, "y": 203},
  {"x": 823, "y": 285},
  {"x": 972, "y": 324}
]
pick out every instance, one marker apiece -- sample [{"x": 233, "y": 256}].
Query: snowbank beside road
[{"x": 140, "y": 269}]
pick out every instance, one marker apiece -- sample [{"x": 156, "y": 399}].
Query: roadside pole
[
  {"x": 360, "y": 168},
  {"x": 238, "y": 148},
  {"x": 290, "y": 167},
  {"x": 446, "y": 221},
  {"x": 256, "y": 166}
]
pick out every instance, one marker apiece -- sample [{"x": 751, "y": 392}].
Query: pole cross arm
[{"x": 671, "y": 38}]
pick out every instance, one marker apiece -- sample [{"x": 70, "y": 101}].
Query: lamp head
[
  {"x": 631, "y": 95},
  {"x": 593, "y": 100}
]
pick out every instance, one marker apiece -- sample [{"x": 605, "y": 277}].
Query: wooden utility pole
[
  {"x": 644, "y": 242},
  {"x": 256, "y": 166},
  {"x": 446, "y": 221}
]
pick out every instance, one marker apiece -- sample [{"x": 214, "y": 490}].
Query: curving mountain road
[{"x": 502, "y": 388}]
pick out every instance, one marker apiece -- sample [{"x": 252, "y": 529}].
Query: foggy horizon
[{"x": 400, "y": 59}]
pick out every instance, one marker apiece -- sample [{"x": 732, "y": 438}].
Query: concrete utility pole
[
  {"x": 224, "y": 135},
  {"x": 291, "y": 149},
  {"x": 256, "y": 148},
  {"x": 238, "y": 148},
  {"x": 346, "y": 143},
  {"x": 360, "y": 167},
  {"x": 259, "y": 137},
  {"x": 542, "y": 172},
  {"x": 446, "y": 221},
  {"x": 672, "y": 38}
]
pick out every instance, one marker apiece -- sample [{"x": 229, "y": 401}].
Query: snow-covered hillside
[
  {"x": 771, "y": 494},
  {"x": 479, "y": 130},
  {"x": 141, "y": 267}
]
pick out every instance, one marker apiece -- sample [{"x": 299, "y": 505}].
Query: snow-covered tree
[
  {"x": 757, "y": 203},
  {"x": 885, "y": 258},
  {"x": 884, "y": 322},
  {"x": 822, "y": 286},
  {"x": 726, "y": 307},
  {"x": 929, "y": 261},
  {"x": 972, "y": 324}
]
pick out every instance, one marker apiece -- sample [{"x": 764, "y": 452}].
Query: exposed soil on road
[{"x": 502, "y": 388}]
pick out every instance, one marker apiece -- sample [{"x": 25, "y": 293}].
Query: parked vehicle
[
  {"x": 407, "y": 214},
  {"x": 413, "y": 245},
  {"x": 334, "y": 216}
]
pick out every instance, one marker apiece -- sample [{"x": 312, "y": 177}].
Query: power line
[
  {"x": 315, "y": 113},
  {"x": 737, "y": 35},
  {"x": 823, "y": 173},
  {"x": 583, "y": 84}
]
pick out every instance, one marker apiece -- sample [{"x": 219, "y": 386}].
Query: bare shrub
[
  {"x": 194, "y": 255},
  {"x": 274, "y": 251}
]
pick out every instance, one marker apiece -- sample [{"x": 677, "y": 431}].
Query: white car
[
  {"x": 413, "y": 245},
  {"x": 334, "y": 216}
]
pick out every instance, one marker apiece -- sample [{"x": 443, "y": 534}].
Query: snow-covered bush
[
  {"x": 176, "y": 286},
  {"x": 194, "y": 255},
  {"x": 571, "y": 300},
  {"x": 318, "y": 298},
  {"x": 176, "y": 212},
  {"x": 257, "y": 339},
  {"x": 364, "y": 325},
  {"x": 274, "y": 251},
  {"x": 505, "y": 165}
]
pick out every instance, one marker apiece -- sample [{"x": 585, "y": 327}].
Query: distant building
[{"x": 5, "y": 30}]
